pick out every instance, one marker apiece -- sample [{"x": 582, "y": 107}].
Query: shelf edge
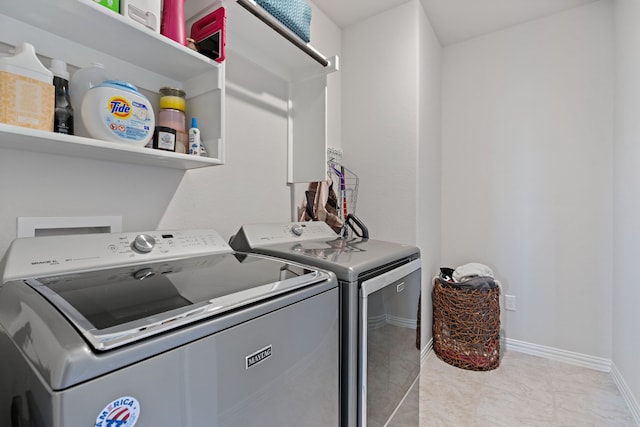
[{"x": 30, "y": 140}]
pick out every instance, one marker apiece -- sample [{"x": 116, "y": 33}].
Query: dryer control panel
[
  {"x": 46, "y": 255},
  {"x": 252, "y": 236}
]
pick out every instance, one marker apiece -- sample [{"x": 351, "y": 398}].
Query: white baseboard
[
  {"x": 402, "y": 322},
  {"x": 375, "y": 322},
  {"x": 628, "y": 396},
  {"x": 570, "y": 357},
  {"x": 426, "y": 351}
]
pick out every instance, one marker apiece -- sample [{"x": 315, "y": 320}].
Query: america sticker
[{"x": 122, "y": 412}]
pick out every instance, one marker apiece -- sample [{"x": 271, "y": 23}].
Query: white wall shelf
[
  {"x": 274, "y": 24},
  {"x": 255, "y": 35},
  {"x": 110, "y": 33},
  {"x": 24, "y": 139},
  {"x": 82, "y": 31}
]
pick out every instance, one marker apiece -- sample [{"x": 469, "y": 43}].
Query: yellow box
[{"x": 26, "y": 102}]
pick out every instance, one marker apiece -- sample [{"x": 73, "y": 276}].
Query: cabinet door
[{"x": 307, "y": 141}]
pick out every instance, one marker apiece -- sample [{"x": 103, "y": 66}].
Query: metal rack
[
  {"x": 348, "y": 181},
  {"x": 347, "y": 198}
]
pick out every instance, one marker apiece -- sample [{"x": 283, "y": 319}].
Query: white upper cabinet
[
  {"x": 81, "y": 31},
  {"x": 256, "y": 35}
]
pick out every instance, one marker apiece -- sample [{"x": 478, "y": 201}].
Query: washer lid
[
  {"x": 347, "y": 258},
  {"x": 315, "y": 243},
  {"x": 116, "y": 306}
]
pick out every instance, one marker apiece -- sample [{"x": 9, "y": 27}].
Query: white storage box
[{"x": 144, "y": 12}]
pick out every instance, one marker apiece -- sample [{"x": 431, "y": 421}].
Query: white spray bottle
[{"x": 194, "y": 138}]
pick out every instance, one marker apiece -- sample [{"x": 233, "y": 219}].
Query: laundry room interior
[{"x": 480, "y": 132}]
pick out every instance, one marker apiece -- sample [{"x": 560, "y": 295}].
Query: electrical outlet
[{"x": 510, "y": 302}]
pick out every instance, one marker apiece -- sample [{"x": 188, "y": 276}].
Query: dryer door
[{"x": 389, "y": 357}]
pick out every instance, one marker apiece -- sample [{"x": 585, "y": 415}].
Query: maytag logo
[
  {"x": 258, "y": 356},
  {"x": 51, "y": 261}
]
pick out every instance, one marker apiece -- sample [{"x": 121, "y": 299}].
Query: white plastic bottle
[
  {"x": 81, "y": 81},
  {"x": 194, "y": 138}
]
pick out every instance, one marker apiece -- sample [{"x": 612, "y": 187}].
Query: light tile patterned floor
[{"x": 524, "y": 391}]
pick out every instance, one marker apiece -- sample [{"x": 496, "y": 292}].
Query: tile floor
[{"x": 524, "y": 391}]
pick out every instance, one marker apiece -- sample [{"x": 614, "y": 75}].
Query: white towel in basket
[{"x": 471, "y": 270}]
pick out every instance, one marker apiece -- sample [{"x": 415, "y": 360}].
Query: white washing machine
[
  {"x": 165, "y": 328},
  {"x": 379, "y": 299}
]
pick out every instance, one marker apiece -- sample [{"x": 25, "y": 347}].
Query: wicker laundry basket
[{"x": 466, "y": 323}]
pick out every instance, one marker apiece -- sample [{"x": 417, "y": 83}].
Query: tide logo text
[{"x": 120, "y": 107}]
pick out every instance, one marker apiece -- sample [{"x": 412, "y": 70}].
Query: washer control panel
[
  {"x": 37, "y": 256},
  {"x": 252, "y": 236}
]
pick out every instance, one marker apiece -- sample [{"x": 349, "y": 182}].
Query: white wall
[
  {"x": 391, "y": 131},
  {"x": 252, "y": 185},
  {"x": 527, "y": 172},
  {"x": 380, "y": 132},
  {"x": 429, "y": 182},
  {"x": 626, "y": 292},
  {"x": 39, "y": 185}
]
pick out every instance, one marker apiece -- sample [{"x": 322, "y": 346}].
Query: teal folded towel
[{"x": 294, "y": 14}]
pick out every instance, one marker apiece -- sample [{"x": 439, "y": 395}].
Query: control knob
[
  {"x": 297, "y": 229},
  {"x": 144, "y": 273},
  {"x": 143, "y": 243}
]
